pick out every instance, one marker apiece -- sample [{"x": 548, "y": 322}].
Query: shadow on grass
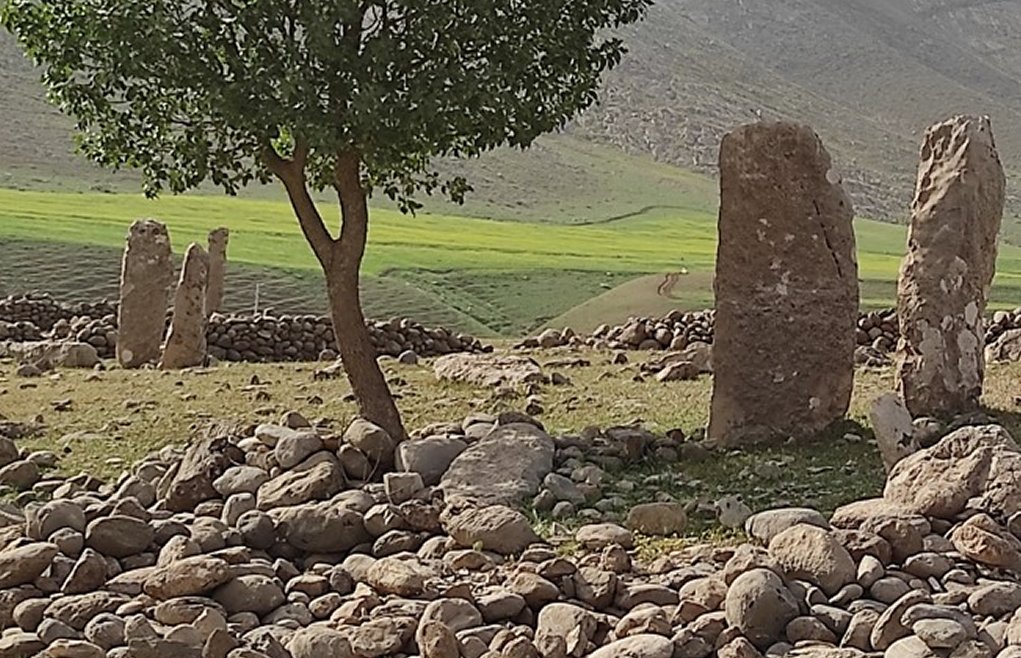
[{"x": 841, "y": 465}]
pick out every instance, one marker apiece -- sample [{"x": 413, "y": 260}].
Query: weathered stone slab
[
  {"x": 487, "y": 369},
  {"x": 146, "y": 274},
  {"x": 503, "y": 468},
  {"x": 786, "y": 288},
  {"x": 53, "y": 354},
  {"x": 974, "y": 467},
  {"x": 218, "y": 239},
  {"x": 186, "y": 340},
  {"x": 894, "y": 429},
  {"x": 945, "y": 278}
]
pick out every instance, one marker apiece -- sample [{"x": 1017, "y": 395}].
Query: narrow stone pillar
[
  {"x": 147, "y": 270},
  {"x": 186, "y": 340},
  {"x": 786, "y": 288},
  {"x": 217, "y": 270},
  {"x": 945, "y": 278}
]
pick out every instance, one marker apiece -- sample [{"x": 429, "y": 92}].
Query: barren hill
[{"x": 869, "y": 75}]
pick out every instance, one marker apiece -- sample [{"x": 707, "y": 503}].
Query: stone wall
[
  {"x": 878, "y": 329},
  {"x": 44, "y": 311},
  {"x": 231, "y": 338}
]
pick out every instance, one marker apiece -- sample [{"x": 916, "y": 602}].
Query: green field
[{"x": 487, "y": 276}]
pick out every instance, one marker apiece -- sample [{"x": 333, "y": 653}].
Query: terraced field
[{"x": 487, "y": 276}]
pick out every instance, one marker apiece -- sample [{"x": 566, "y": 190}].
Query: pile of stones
[
  {"x": 877, "y": 330},
  {"x": 20, "y": 332},
  {"x": 99, "y": 332},
  {"x": 262, "y": 338},
  {"x": 290, "y": 541},
  {"x": 43, "y": 311},
  {"x": 310, "y": 337}
]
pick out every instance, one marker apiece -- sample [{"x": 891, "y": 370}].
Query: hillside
[
  {"x": 487, "y": 276},
  {"x": 869, "y": 75}
]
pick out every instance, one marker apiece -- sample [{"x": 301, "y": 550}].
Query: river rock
[
  {"x": 760, "y": 606},
  {"x": 495, "y": 528},
  {"x": 806, "y": 552},
  {"x": 429, "y": 457},
  {"x": 23, "y": 564}
]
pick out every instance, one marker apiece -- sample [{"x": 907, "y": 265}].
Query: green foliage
[{"x": 195, "y": 91}]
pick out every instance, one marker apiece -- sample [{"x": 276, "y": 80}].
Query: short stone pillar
[
  {"x": 786, "y": 288},
  {"x": 147, "y": 270},
  {"x": 217, "y": 270},
  {"x": 945, "y": 278},
  {"x": 186, "y": 340}
]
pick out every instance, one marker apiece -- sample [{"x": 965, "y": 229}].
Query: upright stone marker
[
  {"x": 951, "y": 260},
  {"x": 786, "y": 288},
  {"x": 186, "y": 340},
  {"x": 217, "y": 269},
  {"x": 146, "y": 274}
]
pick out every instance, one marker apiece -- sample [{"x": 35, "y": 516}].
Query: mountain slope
[{"x": 869, "y": 75}]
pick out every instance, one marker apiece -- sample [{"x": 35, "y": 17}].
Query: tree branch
[
  {"x": 354, "y": 210},
  {"x": 292, "y": 174}
]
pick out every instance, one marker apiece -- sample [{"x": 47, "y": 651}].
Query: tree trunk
[
  {"x": 341, "y": 260},
  {"x": 375, "y": 401}
]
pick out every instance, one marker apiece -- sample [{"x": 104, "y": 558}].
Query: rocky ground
[
  {"x": 286, "y": 533},
  {"x": 283, "y": 540}
]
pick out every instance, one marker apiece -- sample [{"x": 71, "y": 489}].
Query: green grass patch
[
  {"x": 485, "y": 276},
  {"x": 514, "y": 302},
  {"x": 116, "y": 417}
]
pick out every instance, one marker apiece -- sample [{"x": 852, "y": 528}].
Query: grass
[
  {"x": 116, "y": 417},
  {"x": 485, "y": 276}
]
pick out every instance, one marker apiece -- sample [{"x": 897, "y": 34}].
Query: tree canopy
[
  {"x": 357, "y": 95},
  {"x": 189, "y": 91}
]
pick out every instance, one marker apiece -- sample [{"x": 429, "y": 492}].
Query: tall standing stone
[
  {"x": 786, "y": 288},
  {"x": 147, "y": 271},
  {"x": 946, "y": 276},
  {"x": 217, "y": 269},
  {"x": 186, "y": 340}
]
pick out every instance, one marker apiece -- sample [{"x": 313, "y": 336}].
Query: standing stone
[
  {"x": 945, "y": 278},
  {"x": 146, "y": 274},
  {"x": 786, "y": 288},
  {"x": 217, "y": 269},
  {"x": 894, "y": 429},
  {"x": 186, "y": 340}
]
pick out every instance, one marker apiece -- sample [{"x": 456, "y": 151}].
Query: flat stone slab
[
  {"x": 487, "y": 369},
  {"x": 506, "y": 466}
]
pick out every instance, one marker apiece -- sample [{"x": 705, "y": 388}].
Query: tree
[{"x": 357, "y": 95}]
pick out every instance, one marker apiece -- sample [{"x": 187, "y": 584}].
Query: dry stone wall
[{"x": 262, "y": 338}]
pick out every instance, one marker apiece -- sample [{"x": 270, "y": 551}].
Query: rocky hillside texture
[
  {"x": 292, "y": 541},
  {"x": 869, "y": 75}
]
